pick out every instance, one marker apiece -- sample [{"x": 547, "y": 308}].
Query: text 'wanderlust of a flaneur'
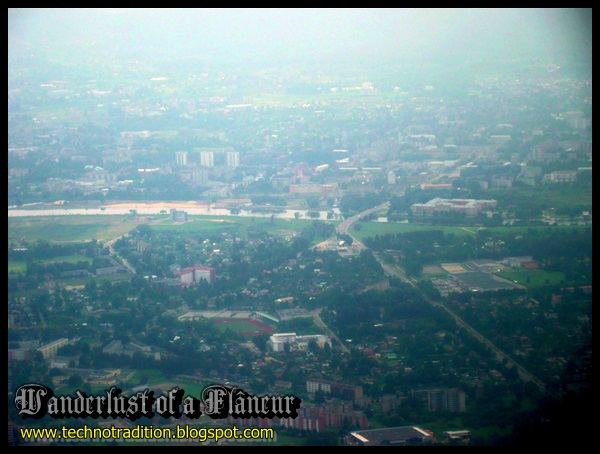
[{"x": 216, "y": 401}]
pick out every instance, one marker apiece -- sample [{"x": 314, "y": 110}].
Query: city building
[
  {"x": 194, "y": 274},
  {"x": 207, "y": 158},
  {"x": 561, "y": 176},
  {"x": 312, "y": 418},
  {"x": 50, "y": 349},
  {"x": 335, "y": 389},
  {"x": 178, "y": 215},
  {"x": 181, "y": 158},
  {"x": 469, "y": 207},
  {"x": 391, "y": 177},
  {"x": 232, "y": 159},
  {"x": 462, "y": 435},
  {"x": 312, "y": 188},
  {"x": 442, "y": 399},
  {"x": 278, "y": 341},
  {"x": 392, "y": 436},
  {"x": 426, "y": 186}
]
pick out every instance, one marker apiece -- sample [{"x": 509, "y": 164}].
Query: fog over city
[
  {"x": 380, "y": 218},
  {"x": 288, "y": 34}
]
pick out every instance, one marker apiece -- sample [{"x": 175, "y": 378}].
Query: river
[{"x": 158, "y": 208}]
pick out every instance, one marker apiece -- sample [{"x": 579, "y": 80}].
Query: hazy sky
[{"x": 274, "y": 33}]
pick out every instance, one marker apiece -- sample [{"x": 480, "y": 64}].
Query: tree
[
  {"x": 144, "y": 230},
  {"x": 75, "y": 380},
  {"x": 320, "y": 397},
  {"x": 312, "y": 201},
  {"x": 321, "y": 439},
  {"x": 261, "y": 341}
]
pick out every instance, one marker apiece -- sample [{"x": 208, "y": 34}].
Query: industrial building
[
  {"x": 392, "y": 436},
  {"x": 469, "y": 207}
]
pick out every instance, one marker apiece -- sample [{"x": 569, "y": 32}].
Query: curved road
[{"x": 343, "y": 227}]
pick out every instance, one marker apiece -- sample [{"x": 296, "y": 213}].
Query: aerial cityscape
[{"x": 307, "y": 226}]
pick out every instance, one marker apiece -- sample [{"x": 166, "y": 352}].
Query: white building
[
  {"x": 181, "y": 158},
  {"x": 278, "y": 341},
  {"x": 232, "y": 159},
  {"x": 391, "y": 177},
  {"x": 207, "y": 158},
  {"x": 470, "y": 207}
]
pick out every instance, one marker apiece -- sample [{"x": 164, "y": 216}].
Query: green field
[
  {"x": 74, "y": 258},
  {"x": 237, "y": 326},
  {"x": 21, "y": 266},
  {"x": 235, "y": 224},
  {"x": 533, "y": 278},
  {"x": 61, "y": 229},
  {"x": 370, "y": 229},
  {"x": 539, "y": 228},
  {"x": 150, "y": 375},
  {"x": 555, "y": 196},
  {"x": 17, "y": 266}
]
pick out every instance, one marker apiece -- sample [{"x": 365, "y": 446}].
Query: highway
[
  {"x": 396, "y": 271},
  {"x": 346, "y": 223}
]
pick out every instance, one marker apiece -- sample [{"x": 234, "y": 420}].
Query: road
[
  {"x": 344, "y": 226},
  {"x": 110, "y": 244},
  {"x": 525, "y": 375},
  {"x": 321, "y": 324},
  {"x": 396, "y": 271}
]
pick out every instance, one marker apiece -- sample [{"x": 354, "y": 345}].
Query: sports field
[
  {"x": 243, "y": 327},
  {"x": 479, "y": 281},
  {"x": 453, "y": 268}
]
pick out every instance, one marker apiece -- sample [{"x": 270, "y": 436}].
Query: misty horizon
[{"x": 273, "y": 35}]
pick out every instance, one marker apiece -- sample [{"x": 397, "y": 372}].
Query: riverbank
[{"x": 159, "y": 207}]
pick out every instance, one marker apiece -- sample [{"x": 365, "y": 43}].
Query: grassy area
[
  {"x": 17, "y": 266},
  {"x": 60, "y": 229},
  {"x": 555, "y": 196},
  {"x": 237, "y": 326},
  {"x": 200, "y": 225},
  {"x": 91, "y": 341},
  {"x": 74, "y": 258},
  {"x": 236, "y": 224},
  {"x": 519, "y": 230},
  {"x": 84, "y": 228},
  {"x": 150, "y": 375},
  {"x": 370, "y": 229},
  {"x": 533, "y": 278}
]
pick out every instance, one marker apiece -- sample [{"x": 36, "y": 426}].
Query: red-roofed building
[{"x": 195, "y": 274}]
